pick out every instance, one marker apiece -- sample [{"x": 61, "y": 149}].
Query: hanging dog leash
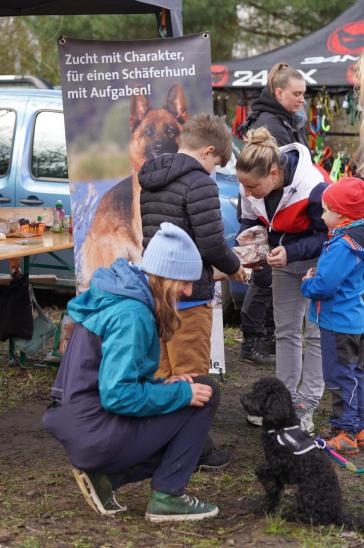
[{"x": 321, "y": 444}]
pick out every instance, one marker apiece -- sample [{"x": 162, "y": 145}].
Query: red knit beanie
[{"x": 346, "y": 197}]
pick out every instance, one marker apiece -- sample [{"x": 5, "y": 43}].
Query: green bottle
[{"x": 58, "y": 216}]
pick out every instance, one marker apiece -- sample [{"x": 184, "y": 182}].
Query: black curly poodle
[{"x": 292, "y": 458}]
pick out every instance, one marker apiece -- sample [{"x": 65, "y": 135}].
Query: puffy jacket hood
[
  {"x": 290, "y": 162},
  {"x": 267, "y": 103},
  {"x": 297, "y": 164},
  {"x": 159, "y": 172},
  {"x": 121, "y": 280},
  {"x": 356, "y": 235}
]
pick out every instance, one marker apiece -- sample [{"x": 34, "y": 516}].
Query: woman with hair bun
[
  {"x": 281, "y": 189},
  {"x": 276, "y": 109}
]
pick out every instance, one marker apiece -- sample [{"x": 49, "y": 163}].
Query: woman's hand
[
  {"x": 277, "y": 257},
  {"x": 201, "y": 394},
  {"x": 177, "y": 378}
]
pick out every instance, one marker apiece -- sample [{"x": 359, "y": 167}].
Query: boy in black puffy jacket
[{"x": 177, "y": 188}]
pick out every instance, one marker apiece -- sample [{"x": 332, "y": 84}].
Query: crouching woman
[{"x": 117, "y": 424}]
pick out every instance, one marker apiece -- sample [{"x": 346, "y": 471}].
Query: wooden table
[{"x": 47, "y": 243}]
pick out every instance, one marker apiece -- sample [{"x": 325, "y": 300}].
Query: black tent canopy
[
  {"x": 82, "y": 7},
  {"x": 325, "y": 57}
]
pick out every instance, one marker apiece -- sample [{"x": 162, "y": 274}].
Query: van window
[
  {"x": 49, "y": 157},
  {"x": 7, "y": 125}
]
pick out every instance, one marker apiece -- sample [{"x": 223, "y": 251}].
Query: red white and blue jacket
[{"x": 296, "y": 223}]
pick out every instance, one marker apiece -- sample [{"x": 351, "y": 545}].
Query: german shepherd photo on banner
[{"x": 116, "y": 229}]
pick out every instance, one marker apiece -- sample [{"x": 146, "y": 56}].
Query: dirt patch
[{"x": 41, "y": 506}]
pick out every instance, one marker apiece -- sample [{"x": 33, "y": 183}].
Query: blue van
[
  {"x": 33, "y": 163},
  {"x": 33, "y": 159}
]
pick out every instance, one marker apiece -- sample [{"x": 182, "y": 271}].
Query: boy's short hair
[{"x": 204, "y": 130}]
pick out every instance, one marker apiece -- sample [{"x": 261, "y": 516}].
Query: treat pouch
[{"x": 253, "y": 246}]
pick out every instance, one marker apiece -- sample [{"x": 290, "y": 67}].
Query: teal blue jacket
[{"x": 119, "y": 308}]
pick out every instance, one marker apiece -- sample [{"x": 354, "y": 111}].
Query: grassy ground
[{"x": 41, "y": 506}]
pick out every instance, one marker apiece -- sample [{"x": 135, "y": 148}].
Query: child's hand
[
  {"x": 277, "y": 257},
  {"x": 309, "y": 274},
  {"x": 240, "y": 276}
]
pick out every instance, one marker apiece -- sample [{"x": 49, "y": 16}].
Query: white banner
[{"x": 217, "y": 358}]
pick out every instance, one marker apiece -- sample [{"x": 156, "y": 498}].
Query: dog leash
[{"x": 321, "y": 444}]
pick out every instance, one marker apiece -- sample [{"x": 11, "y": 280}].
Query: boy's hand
[
  {"x": 309, "y": 274},
  {"x": 201, "y": 394},
  {"x": 240, "y": 276},
  {"x": 277, "y": 257},
  {"x": 177, "y": 378}
]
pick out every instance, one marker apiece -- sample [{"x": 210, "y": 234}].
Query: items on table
[
  {"x": 58, "y": 217},
  {"x": 21, "y": 227}
]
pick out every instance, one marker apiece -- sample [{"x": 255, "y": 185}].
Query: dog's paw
[
  {"x": 292, "y": 515},
  {"x": 270, "y": 506}
]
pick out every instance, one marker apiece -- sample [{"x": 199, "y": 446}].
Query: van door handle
[
  {"x": 4, "y": 199},
  {"x": 31, "y": 200}
]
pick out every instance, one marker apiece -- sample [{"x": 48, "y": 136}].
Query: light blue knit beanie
[{"x": 171, "y": 253}]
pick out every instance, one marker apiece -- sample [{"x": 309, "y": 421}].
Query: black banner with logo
[{"x": 324, "y": 58}]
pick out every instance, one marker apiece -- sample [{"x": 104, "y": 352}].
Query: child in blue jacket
[{"x": 337, "y": 293}]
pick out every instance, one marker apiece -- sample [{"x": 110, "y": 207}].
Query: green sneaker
[
  {"x": 164, "y": 507},
  {"x": 97, "y": 491}
]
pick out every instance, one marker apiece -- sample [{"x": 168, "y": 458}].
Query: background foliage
[{"x": 28, "y": 45}]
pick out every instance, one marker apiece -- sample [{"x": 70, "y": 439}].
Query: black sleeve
[
  {"x": 275, "y": 127},
  {"x": 203, "y": 209},
  {"x": 238, "y": 208}
]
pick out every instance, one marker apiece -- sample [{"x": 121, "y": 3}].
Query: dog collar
[{"x": 293, "y": 437}]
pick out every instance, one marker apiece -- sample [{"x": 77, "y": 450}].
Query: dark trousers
[
  {"x": 343, "y": 372},
  {"x": 165, "y": 447},
  {"x": 257, "y": 310}
]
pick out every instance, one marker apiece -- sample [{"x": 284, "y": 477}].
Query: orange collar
[
  {"x": 341, "y": 225},
  {"x": 348, "y": 222}
]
